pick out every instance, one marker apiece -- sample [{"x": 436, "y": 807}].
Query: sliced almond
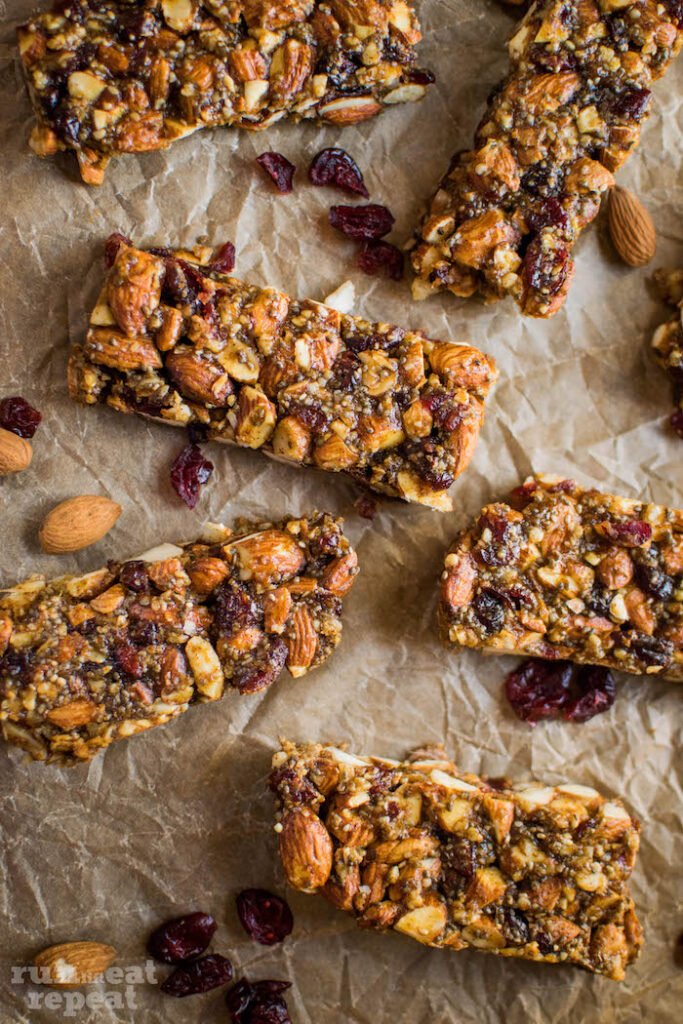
[{"x": 77, "y": 522}]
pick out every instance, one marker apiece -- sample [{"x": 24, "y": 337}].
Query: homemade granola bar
[
  {"x": 508, "y": 213},
  {"x": 175, "y": 338},
  {"x": 111, "y": 76},
  {"x": 451, "y": 860},
  {"x": 565, "y": 572},
  {"x": 86, "y": 660},
  {"x": 667, "y": 340}
]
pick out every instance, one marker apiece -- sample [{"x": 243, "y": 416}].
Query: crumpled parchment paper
[{"x": 180, "y": 818}]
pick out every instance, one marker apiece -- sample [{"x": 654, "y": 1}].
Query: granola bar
[
  {"x": 667, "y": 340},
  {"x": 565, "y": 572},
  {"x": 86, "y": 660},
  {"x": 451, "y": 860},
  {"x": 174, "y": 338},
  {"x": 109, "y": 76},
  {"x": 508, "y": 213}
]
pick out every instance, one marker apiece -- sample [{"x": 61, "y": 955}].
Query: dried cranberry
[
  {"x": 17, "y": 415},
  {"x": 133, "y": 576},
  {"x": 548, "y": 214},
  {"x": 182, "y": 938},
  {"x": 262, "y": 672},
  {"x": 631, "y": 104},
  {"x": 652, "y": 650},
  {"x": 552, "y": 60},
  {"x": 115, "y": 242},
  {"x": 362, "y": 222},
  {"x": 676, "y": 421},
  {"x": 632, "y": 533},
  {"x": 223, "y": 261},
  {"x": 675, "y": 9},
  {"x": 498, "y": 550},
  {"x": 597, "y": 693},
  {"x": 279, "y": 170},
  {"x": 67, "y": 126},
  {"x": 334, "y": 166},
  {"x": 489, "y": 608},
  {"x": 189, "y": 473},
  {"x": 539, "y": 689},
  {"x": 545, "y": 270},
  {"x": 654, "y": 581},
  {"x": 233, "y": 607},
  {"x": 201, "y": 975},
  {"x": 127, "y": 659},
  {"x": 142, "y": 632},
  {"x": 421, "y": 76},
  {"x": 346, "y": 372},
  {"x": 381, "y": 258},
  {"x": 599, "y": 600},
  {"x": 312, "y": 416},
  {"x": 259, "y": 1002},
  {"x": 265, "y": 917},
  {"x": 516, "y": 926},
  {"x": 437, "y": 479}
]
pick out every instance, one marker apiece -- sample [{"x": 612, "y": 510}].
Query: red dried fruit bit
[
  {"x": 632, "y": 533},
  {"x": 189, "y": 473},
  {"x": 265, "y": 917},
  {"x": 334, "y": 166},
  {"x": 598, "y": 692},
  {"x": 362, "y": 222},
  {"x": 133, "y": 576},
  {"x": 223, "y": 261},
  {"x": 676, "y": 421},
  {"x": 366, "y": 506},
  {"x": 259, "y": 1002},
  {"x": 127, "y": 659},
  {"x": 381, "y": 258},
  {"x": 279, "y": 170},
  {"x": 111, "y": 247},
  {"x": 17, "y": 415},
  {"x": 182, "y": 938},
  {"x": 201, "y": 975},
  {"x": 539, "y": 689}
]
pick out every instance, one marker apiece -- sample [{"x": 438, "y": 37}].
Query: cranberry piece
[
  {"x": 675, "y": 9},
  {"x": 516, "y": 926},
  {"x": 17, "y": 415},
  {"x": 489, "y": 608},
  {"x": 201, "y": 975},
  {"x": 381, "y": 258},
  {"x": 300, "y": 789},
  {"x": 334, "y": 166},
  {"x": 264, "y": 671},
  {"x": 279, "y": 170},
  {"x": 654, "y": 581},
  {"x": 189, "y": 473},
  {"x": 233, "y": 607},
  {"x": 115, "y": 242},
  {"x": 545, "y": 270},
  {"x": 312, "y": 416},
  {"x": 362, "y": 222},
  {"x": 631, "y": 104},
  {"x": 539, "y": 689},
  {"x": 133, "y": 576},
  {"x": 549, "y": 214},
  {"x": 561, "y": 60},
  {"x": 182, "y": 938},
  {"x": 652, "y": 650},
  {"x": 265, "y": 917},
  {"x": 676, "y": 421},
  {"x": 258, "y": 1002},
  {"x": 67, "y": 126},
  {"x": 632, "y": 533},
  {"x": 421, "y": 76},
  {"x": 223, "y": 261},
  {"x": 437, "y": 479},
  {"x": 127, "y": 659},
  {"x": 366, "y": 506},
  {"x": 599, "y": 600},
  {"x": 597, "y": 693},
  {"x": 142, "y": 632},
  {"x": 346, "y": 372}
]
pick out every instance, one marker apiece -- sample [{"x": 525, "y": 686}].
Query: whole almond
[
  {"x": 15, "y": 453},
  {"x": 631, "y": 228},
  {"x": 305, "y": 849},
  {"x": 77, "y": 522},
  {"x": 72, "y": 964}
]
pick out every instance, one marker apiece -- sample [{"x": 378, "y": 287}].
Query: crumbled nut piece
[{"x": 530, "y": 871}]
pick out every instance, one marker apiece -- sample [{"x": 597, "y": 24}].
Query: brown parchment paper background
[{"x": 180, "y": 819}]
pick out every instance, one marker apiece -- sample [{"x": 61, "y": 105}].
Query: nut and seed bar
[
  {"x": 108, "y": 76},
  {"x": 86, "y": 660},
  {"x": 667, "y": 340},
  {"x": 565, "y": 572},
  {"x": 174, "y": 338},
  {"x": 508, "y": 213},
  {"x": 451, "y": 860}
]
